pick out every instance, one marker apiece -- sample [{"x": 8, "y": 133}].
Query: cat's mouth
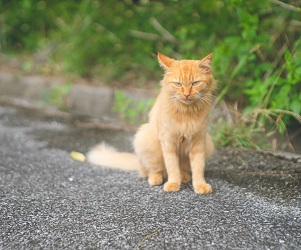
[{"x": 187, "y": 100}]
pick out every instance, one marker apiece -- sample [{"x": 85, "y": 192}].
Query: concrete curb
[
  {"x": 92, "y": 101},
  {"x": 82, "y": 99}
]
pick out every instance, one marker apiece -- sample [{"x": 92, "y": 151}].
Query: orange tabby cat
[{"x": 174, "y": 144}]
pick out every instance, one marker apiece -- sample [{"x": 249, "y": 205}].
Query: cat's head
[{"x": 188, "y": 80}]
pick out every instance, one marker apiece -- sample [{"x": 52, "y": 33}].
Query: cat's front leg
[
  {"x": 171, "y": 160},
  {"x": 197, "y": 162}
]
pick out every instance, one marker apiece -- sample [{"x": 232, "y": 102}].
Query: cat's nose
[{"x": 186, "y": 95}]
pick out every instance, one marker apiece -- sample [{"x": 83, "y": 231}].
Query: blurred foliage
[
  {"x": 58, "y": 95},
  {"x": 132, "y": 111},
  {"x": 256, "y": 44},
  {"x": 239, "y": 135}
]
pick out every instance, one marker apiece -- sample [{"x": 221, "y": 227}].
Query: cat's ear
[
  {"x": 205, "y": 64},
  {"x": 164, "y": 61}
]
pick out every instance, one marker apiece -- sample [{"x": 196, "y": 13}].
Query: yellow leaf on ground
[{"x": 78, "y": 156}]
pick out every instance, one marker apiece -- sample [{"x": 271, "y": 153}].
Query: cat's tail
[{"x": 108, "y": 156}]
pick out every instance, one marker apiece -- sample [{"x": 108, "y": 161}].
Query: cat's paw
[
  {"x": 171, "y": 187},
  {"x": 155, "y": 179},
  {"x": 185, "y": 177},
  {"x": 203, "y": 188}
]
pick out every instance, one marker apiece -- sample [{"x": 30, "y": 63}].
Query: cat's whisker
[
  {"x": 173, "y": 96},
  {"x": 206, "y": 98},
  {"x": 208, "y": 101},
  {"x": 211, "y": 96}
]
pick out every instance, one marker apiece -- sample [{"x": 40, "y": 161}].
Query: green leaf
[{"x": 295, "y": 106}]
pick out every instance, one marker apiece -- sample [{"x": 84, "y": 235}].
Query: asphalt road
[{"x": 50, "y": 201}]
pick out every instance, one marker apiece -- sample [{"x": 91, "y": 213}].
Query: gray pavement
[{"x": 50, "y": 201}]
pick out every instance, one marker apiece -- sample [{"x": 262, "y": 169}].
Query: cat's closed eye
[
  {"x": 178, "y": 84},
  {"x": 195, "y": 83}
]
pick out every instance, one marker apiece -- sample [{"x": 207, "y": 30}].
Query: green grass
[
  {"x": 130, "y": 110},
  {"x": 57, "y": 95}
]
